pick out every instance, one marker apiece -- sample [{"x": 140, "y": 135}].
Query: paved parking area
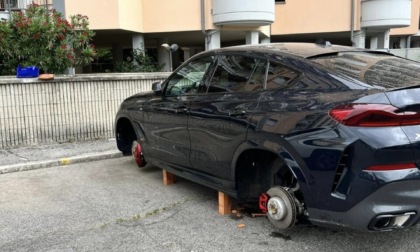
[{"x": 111, "y": 205}]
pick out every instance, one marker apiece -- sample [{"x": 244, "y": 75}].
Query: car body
[{"x": 317, "y": 131}]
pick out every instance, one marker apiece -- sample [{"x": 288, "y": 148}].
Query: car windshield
[{"x": 375, "y": 69}]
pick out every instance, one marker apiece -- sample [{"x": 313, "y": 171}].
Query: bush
[
  {"x": 138, "y": 62},
  {"x": 43, "y": 38}
]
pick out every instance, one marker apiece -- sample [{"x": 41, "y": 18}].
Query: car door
[
  {"x": 166, "y": 118},
  {"x": 219, "y": 120}
]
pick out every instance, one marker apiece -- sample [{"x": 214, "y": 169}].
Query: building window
[{"x": 12, "y": 4}]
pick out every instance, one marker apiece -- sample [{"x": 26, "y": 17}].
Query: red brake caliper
[
  {"x": 138, "y": 154},
  {"x": 263, "y": 202}
]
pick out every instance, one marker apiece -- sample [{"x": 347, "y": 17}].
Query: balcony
[
  {"x": 7, "y": 6},
  {"x": 13, "y": 5},
  {"x": 243, "y": 12},
  {"x": 386, "y": 14}
]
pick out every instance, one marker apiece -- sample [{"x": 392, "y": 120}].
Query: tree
[{"x": 43, "y": 38}]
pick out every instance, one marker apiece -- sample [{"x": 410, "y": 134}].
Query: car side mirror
[{"x": 157, "y": 87}]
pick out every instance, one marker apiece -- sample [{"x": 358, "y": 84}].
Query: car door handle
[
  {"x": 176, "y": 110},
  {"x": 181, "y": 110},
  {"x": 238, "y": 112}
]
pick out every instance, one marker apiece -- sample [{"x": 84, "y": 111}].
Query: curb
[{"x": 60, "y": 162}]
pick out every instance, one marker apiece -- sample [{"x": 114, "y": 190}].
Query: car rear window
[{"x": 373, "y": 68}]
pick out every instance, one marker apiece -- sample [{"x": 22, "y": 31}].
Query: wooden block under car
[
  {"x": 225, "y": 204},
  {"x": 168, "y": 178}
]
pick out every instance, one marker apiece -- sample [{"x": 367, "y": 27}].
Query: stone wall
[{"x": 65, "y": 109}]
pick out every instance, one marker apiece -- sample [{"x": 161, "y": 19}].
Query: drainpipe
[
  {"x": 352, "y": 23},
  {"x": 408, "y": 46},
  {"x": 8, "y": 3},
  {"x": 203, "y": 24}
]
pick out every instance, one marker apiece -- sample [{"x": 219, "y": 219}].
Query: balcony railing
[
  {"x": 7, "y": 6},
  {"x": 13, "y": 5},
  {"x": 18, "y": 5},
  {"x": 46, "y": 3}
]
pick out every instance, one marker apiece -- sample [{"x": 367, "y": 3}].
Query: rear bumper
[{"x": 390, "y": 201}]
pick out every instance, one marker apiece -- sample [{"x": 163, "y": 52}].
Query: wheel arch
[
  {"x": 126, "y": 131},
  {"x": 275, "y": 153}
]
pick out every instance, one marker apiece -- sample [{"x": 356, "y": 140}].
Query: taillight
[
  {"x": 373, "y": 115},
  {"x": 391, "y": 167}
]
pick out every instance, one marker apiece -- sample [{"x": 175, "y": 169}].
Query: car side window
[
  {"x": 237, "y": 73},
  {"x": 189, "y": 79},
  {"x": 279, "y": 76}
]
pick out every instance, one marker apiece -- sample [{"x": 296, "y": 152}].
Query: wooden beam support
[
  {"x": 168, "y": 178},
  {"x": 225, "y": 204}
]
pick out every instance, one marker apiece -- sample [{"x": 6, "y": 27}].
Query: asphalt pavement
[
  {"x": 112, "y": 205},
  {"x": 56, "y": 154}
]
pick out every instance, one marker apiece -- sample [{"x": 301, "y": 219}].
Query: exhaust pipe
[{"x": 390, "y": 221}]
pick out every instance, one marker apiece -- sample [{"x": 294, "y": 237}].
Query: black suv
[{"x": 322, "y": 132}]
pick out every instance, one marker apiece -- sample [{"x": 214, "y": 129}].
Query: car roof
[{"x": 303, "y": 50}]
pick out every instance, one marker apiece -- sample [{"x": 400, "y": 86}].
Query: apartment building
[{"x": 197, "y": 25}]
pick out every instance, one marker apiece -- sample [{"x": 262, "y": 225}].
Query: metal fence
[
  {"x": 19, "y": 5},
  {"x": 9, "y": 6},
  {"x": 66, "y": 109}
]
